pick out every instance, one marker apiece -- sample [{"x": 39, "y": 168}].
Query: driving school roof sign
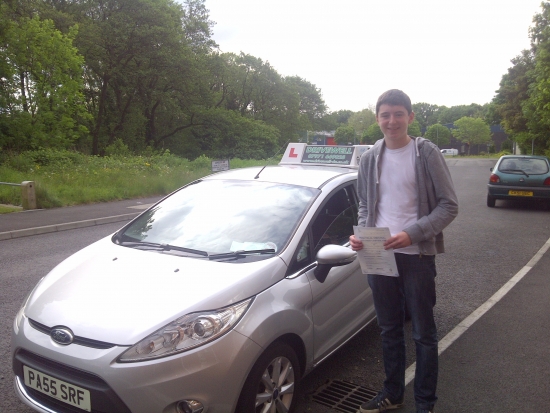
[{"x": 300, "y": 153}]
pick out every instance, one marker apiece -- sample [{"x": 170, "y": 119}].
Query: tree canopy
[
  {"x": 438, "y": 134},
  {"x": 473, "y": 131},
  {"x": 523, "y": 98},
  {"x": 145, "y": 73},
  {"x": 94, "y": 75}
]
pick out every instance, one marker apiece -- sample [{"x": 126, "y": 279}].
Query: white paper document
[{"x": 373, "y": 258}]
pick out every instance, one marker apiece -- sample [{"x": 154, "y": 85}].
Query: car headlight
[{"x": 187, "y": 332}]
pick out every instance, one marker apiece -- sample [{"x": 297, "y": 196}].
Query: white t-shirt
[{"x": 397, "y": 206}]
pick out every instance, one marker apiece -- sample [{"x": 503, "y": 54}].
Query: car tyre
[
  {"x": 273, "y": 382},
  {"x": 491, "y": 201}
]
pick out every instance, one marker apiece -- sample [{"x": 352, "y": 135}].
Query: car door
[{"x": 341, "y": 304}]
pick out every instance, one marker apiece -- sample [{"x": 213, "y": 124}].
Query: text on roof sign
[{"x": 341, "y": 155}]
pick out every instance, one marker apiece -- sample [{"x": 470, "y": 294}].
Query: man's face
[{"x": 394, "y": 122}]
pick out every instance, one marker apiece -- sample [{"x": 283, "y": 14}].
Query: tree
[
  {"x": 426, "y": 114},
  {"x": 42, "y": 100},
  {"x": 198, "y": 26},
  {"x": 333, "y": 120},
  {"x": 438, "y": 134},
  {"x": 535, "y": 107},
  {"x": 473, "y": 131},
  {"x": 514, "y": 92},
  {"x": 345, "y": 135},
  {"x": 414, "y": 128},
  {"x": 372, "y": 134},
  {"x": 312, "y": 106},
  {"x": 449, "y": 115},
  {"x": 360, "y": 121}
]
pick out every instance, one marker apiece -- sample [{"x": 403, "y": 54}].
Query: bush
[{"x": 68, "y": 178}]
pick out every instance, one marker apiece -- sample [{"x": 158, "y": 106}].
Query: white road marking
[
  {"x": 144, "y": 206},
  {"x": 465, "y": 324}
]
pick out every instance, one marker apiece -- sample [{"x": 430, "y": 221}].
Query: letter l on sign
[{"x": 292, "y": 154}]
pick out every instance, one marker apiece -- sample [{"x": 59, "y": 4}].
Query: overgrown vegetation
[
  {"x": 83, "y": 75},
  {"x": 65, "y": 178},
  {"x": 523, "y": 99}
]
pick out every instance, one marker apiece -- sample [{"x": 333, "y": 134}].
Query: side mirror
[{"x": 332, "y": 256}]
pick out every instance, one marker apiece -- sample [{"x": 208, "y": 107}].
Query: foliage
[
  {"x": 426, "y": 114},
  {"x": 68, "y": 178},
  {"x": 473, "y": 131},
  {"x": 372, "y": 134},
  {"x": 345, "y": 135},
  {"x": 523, "y": 98},
  {"x": 136, "y": 74},
  {"x": 42, "y": 104},
  {"x": 414, "y": 128},
  {"x": 438, "y": 134},
  {"x": 452, "y": 114},
  {"x": 360, "y": 121},
  {"x": 335, "y": 119}
]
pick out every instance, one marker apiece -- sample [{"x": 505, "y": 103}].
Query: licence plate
[
  {"x": 58, "y": 389},
  {"x": 520, "y": 193}
]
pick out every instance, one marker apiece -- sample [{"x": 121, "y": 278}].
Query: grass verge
[{"x": 64, "y": 178}]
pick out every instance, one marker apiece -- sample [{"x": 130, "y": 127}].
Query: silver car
[{"x": 219, "y": 298}]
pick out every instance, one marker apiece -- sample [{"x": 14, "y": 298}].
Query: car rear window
[{"x": 520, "y": 165}]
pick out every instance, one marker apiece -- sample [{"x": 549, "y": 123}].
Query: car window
[
  {"x": 335, "y": 222},
  {"x": 302, "y": 257},
  {"x": 333, "y": 225},
  {"x": 220, "y": 216},
  {"x": 528, "y": 165}
]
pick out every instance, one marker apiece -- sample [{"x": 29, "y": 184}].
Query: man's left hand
[{"x": 400, "y": 240}]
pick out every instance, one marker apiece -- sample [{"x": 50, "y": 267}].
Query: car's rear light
[
  {"x": 547, "y": 181},
  {"x": 495, "y": 179}
]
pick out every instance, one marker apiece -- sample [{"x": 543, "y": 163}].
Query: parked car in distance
[
  {"x": 218, "y": 299},
  {"x": 449, "y": 152},
  {"x": 519, "y": 177}
]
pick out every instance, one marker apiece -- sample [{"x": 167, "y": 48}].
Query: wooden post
[{"x": 28, "y": 195}]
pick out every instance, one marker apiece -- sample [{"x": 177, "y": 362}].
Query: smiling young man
[{"x": 404, "y": 184}]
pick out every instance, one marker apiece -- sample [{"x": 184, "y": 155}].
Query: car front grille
[
  {"x": 83, "y": 341},
  {"x": 104, "y": 399}
]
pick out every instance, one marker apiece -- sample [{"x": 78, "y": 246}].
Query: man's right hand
[{"x": 356, "y": 243}]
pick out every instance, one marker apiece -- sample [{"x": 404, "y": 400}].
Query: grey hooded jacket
[{"x": 437, "y": 201}]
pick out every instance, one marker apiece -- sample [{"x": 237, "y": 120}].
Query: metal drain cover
[{"x": 342, "y": 395}]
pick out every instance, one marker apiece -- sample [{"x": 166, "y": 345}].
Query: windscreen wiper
[
  {"x": 516, "y": 170},
  {"x": 240, "y": 253},
  {"x": 161, "y": 247}
]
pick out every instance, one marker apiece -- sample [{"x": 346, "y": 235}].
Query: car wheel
[
  {"x": 273, "y": 382},
  {"x": 491, "y": 201}
]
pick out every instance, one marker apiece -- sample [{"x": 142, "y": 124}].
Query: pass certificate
[{"x": 373, "y": 258}]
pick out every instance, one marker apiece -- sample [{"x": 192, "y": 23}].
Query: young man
[{"x": 405, "y": 185}]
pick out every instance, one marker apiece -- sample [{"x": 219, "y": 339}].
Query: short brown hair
[{"x": 394, "y": 97}]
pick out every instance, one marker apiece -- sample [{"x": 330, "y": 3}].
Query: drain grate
[{"x": 342, "y": 395}]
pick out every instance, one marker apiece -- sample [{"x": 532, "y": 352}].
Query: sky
[{"x": 440, "y": 52}]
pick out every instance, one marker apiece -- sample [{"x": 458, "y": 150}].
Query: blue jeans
[{"x": 415, "y": 286}]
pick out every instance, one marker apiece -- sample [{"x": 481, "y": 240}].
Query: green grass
[
  {"x": 7, "y": 209},
  {"x": 64, "y": 178}
]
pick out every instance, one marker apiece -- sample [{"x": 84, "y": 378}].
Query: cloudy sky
[{"x": 438, "y": 51}]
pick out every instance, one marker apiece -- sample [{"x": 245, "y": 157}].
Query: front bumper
[{"x": 212, "y": 374}]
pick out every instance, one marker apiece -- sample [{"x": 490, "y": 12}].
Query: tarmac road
[{"x": 495, "y": 344}]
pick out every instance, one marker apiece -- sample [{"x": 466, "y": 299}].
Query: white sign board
[{"x": 220, "y": 165}]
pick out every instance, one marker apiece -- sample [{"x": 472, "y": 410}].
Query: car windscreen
[{"x": 218, "y": 216}]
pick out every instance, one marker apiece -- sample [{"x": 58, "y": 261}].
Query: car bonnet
[{"x": 120, "y": 295}]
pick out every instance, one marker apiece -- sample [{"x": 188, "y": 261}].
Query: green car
[{"x": 524, "y": 177}]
